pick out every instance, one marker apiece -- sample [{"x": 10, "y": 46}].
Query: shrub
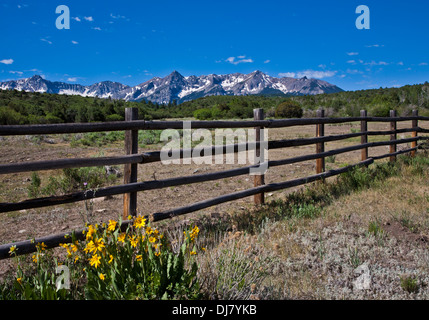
[
  {"x": 203, "y": 114},
  {"x": 331, "y": 159},
  {"x": 380, "y": 110},
  {"x": 234, "y": 270},
  {"x": 149, "y": 137},
  {"x": 97, "y": 139},
  {"x": 50, "y": 118},
  {"x": 288, "y": 109},
  {"x": 306, "y": 210},
  {"x": 9, "y": 116},
  {"x": 71, "y": 180},
  {"x": 375, "y": 229},
  {"x": 138, "y": 263},
  {"x": 34, "y": 188},
  {"x": 409, "y": 284},
  {"x": 354, "y": 257},
  {"x": 270, "y": 113},
  {"x": 89, "y": 178},
  {"x": 218, "y": 113},
  {"x": 114, "y": 117}
]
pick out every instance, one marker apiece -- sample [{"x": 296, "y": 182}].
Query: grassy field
[{"x": 305, "y": 243}]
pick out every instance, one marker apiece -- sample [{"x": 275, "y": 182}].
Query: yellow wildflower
[
  {"x": 76, "y": 259},
  {"x": 152, "y": 239},
  {"x": 94, "y": 245},
  {"x": 34, "y": 257},
  {"x": 95, "y": 260},
  {"x": 66, "y": 246},
  {"x": 19, "y": 280},
  {"x": 12, "y": 250},
  {"x": 194, "y": 233},
  {"x": 41, "y": 246},
  {"x": 111, "y": 259},
  {"x": 193, "y": 252},
  {"x": 98, "y": 245},
  {"x": 121, "y": 237},
  {"x": 133, "y": 241},
  {"x": 140, "y": 222},
  {"x": 73, "y": 247},
  {"x": 112, "y": 225},
  {"x": 89, "y": 247},
  {"x": 91, "y": 231},
  {"x": 139, "y": 257},
  {"x": 102, "y": 276}
]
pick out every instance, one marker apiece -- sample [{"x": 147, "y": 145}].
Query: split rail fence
[{"x": 132, "y": 158}]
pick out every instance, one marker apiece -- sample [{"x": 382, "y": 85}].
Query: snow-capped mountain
[
  {"x": 180, "y": 88},
  {"x": 38, "y": 84}
]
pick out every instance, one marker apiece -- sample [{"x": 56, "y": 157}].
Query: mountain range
[{"x": 176, "y": 87}]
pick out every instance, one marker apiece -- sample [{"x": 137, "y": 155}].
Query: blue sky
[{"x": 133, "y": 41}]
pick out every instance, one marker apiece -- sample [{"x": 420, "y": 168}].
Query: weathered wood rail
[{"x": 131, "y": 187}]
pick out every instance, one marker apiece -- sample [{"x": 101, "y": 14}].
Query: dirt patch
[{"x": 402, "y": 233}]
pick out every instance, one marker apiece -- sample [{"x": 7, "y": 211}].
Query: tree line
[{"x": 18, "y": 107}]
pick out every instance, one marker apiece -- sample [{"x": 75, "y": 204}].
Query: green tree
[
  {"x": 203, "y": 114},
  {"x": 289, "y": 109}
]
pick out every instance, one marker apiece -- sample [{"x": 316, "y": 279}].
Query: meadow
[{"x": 304, "y": 243}]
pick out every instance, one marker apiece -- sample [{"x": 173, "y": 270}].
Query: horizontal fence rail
[
  {"x": 172, "y": 182},
  {"x": 131, "y": 187},
  {"x": 161, "y": 125},
  {"x": 186, "y": 153}
]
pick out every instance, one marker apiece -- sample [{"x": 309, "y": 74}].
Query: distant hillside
[
  {"x": 19, "y": 107},
  {"x": 378, "y": 102}
]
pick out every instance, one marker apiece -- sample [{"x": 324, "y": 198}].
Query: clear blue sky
[{"x": 133, "y": 41}]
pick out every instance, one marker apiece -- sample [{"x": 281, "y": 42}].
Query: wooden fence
[{"x": 132, "y": 158}]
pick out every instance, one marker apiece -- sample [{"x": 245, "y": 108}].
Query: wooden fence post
[
  {"x": 364, "y": 138},
  {"x": 320, "y": 147},
  {"x": 393, "y": 136},
  {"x": 415, "y": 124},
  {"x": 259, "y": 179},
  {"x": 130, "y": 170}
]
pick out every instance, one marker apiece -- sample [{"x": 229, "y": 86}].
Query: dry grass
[
  {"x": 318, "y": 257},
  {"x": 383, "y": 227}
]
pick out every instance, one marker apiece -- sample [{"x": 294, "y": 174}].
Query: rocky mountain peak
[{"x": 177, "y": 87}]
